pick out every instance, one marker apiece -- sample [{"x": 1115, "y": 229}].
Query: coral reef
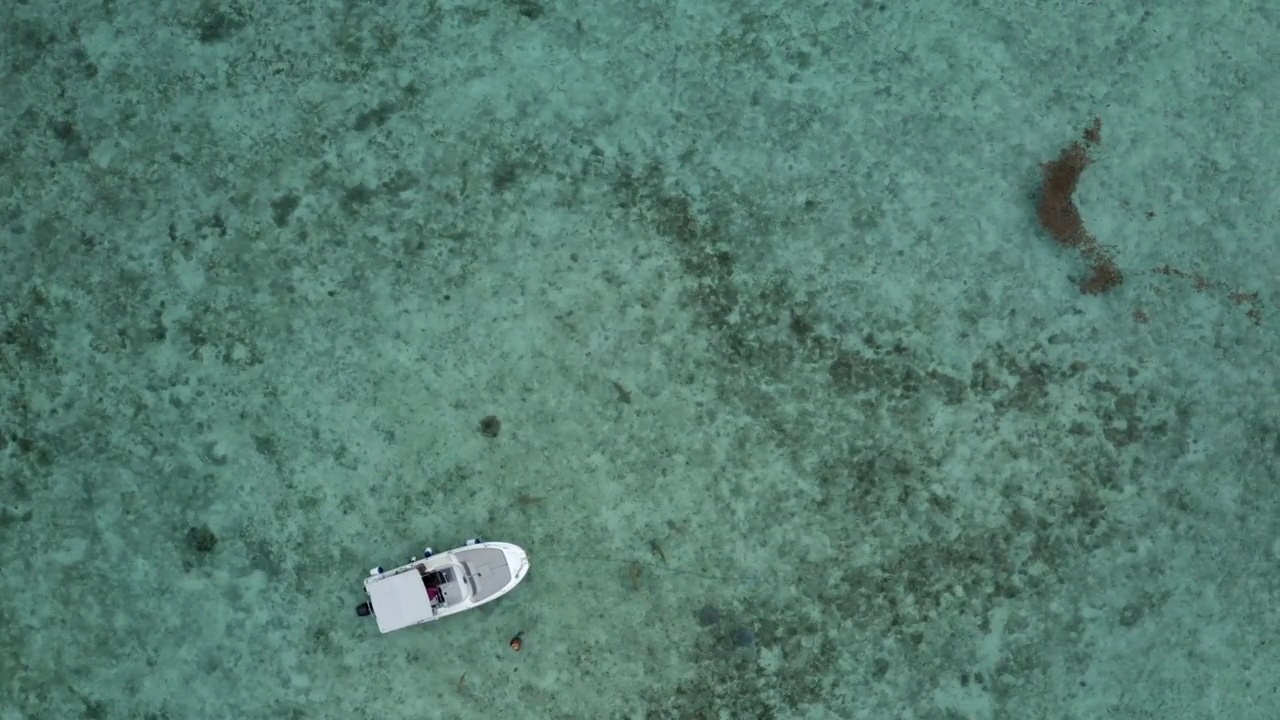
[{"x": 1060, "y": 217}]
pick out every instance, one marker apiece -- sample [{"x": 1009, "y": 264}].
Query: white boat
[{"x": 438, "y": 585}]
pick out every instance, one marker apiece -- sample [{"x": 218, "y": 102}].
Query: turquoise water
[{"x": 802, "y": 413}]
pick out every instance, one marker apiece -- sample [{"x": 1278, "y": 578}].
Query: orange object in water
[{"x": 516, "y": 643}]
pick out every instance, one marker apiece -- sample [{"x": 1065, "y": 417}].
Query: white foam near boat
[{"x": 438, "y": 585}]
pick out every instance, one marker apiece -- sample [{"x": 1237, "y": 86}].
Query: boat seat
[{"x": 439, "y": 578}]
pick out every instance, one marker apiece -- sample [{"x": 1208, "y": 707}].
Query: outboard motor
[{"x": 364, "y": 609}]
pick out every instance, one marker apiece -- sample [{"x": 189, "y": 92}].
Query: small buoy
[{"x": 516, "y": 643}]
